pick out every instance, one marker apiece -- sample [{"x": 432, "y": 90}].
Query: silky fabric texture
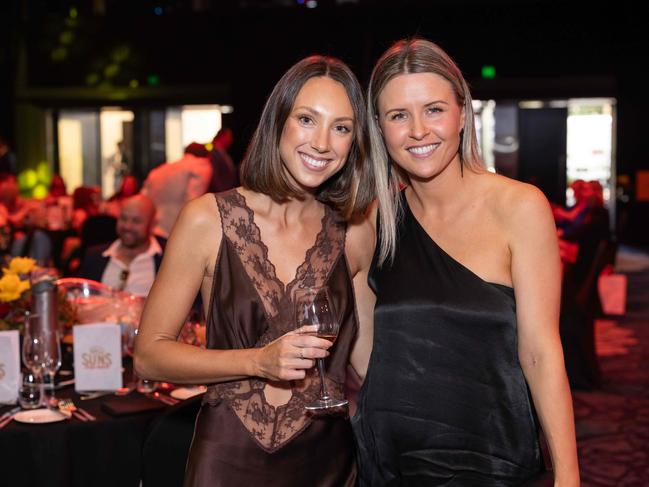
[
  {"x": 228, "y": 447},
  {"x": 444, "y": 402}
]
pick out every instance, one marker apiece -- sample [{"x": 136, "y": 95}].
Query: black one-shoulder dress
[{"x": 444, "y": 402}]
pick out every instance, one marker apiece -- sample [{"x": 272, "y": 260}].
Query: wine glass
[
  {"x": 51, "y": 361},
  {"x": 33, "y": 349},
  {"x": 314, "y": 306},
  {"x": 128, "y": 345}
]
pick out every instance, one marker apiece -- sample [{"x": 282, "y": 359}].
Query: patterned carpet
[{"x": 613, "y": 421}]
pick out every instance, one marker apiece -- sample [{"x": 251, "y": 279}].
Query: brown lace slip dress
[{"x": 240, "y": 439}]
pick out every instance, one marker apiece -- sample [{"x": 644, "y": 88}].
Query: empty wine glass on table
[
  {"x": 144, "y": 386},
  {"x": 41, "y": 353},
  {"x": 33, "y": 351},
  {"x": 51, "y": 362},
  {"x": 314, "y": 306}
]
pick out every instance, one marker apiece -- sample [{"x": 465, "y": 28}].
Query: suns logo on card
[{"x": 96, "y": 358}]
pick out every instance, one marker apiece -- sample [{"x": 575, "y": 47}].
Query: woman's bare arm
[
  {"x": 536, "y": 274},
  {"x": 360, "y": 243},
  {"x": 189, "y": 255}
]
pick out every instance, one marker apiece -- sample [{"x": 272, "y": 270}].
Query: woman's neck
[
  {"x": 287, "y": 212},
  {"x": 444, "y": 192}
]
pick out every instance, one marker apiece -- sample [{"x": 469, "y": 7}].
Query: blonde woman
[{"x": 467, "y": 278}]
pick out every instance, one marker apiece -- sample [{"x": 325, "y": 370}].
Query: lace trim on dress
[{"x": 270, "y": 426}]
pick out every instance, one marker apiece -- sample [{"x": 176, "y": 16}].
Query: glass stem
[
  {"x": 40, "y": 378},
  {"x": 51, "y": 400},
  {"x": 324, "y": 395}
]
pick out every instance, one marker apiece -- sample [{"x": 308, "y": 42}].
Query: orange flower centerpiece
[{"x": 15, "y": 296}]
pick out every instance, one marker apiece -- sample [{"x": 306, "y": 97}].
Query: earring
[{"x": 461, "y": 152}]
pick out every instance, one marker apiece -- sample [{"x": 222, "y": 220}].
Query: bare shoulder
[
  {"x": 515, "y": 202},
  {"x": 361, "y": 240},
  {"x": 201, "y": 213},
  {"x": 198, "y": 226}
]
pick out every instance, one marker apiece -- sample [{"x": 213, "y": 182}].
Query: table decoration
[
  {"x": 97, "y": 357},
  {"x": 16, "y": 296}
]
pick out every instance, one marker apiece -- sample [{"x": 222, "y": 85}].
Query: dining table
[{"x": 72, "y": 452}]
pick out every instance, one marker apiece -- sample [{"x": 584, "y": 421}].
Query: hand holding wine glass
[{"x": 314, "y": 306}]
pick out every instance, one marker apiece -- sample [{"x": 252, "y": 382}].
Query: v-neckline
[
  {"x": 296, "y": 274},
  {"x": 445, "y": 253}
]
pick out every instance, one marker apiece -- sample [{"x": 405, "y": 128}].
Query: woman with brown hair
[
  {"x": 467, "y": 278},
  {"x": 248, "y": 250}
]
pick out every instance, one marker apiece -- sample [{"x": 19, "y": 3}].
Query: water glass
[{"x": 30, "y": 392}]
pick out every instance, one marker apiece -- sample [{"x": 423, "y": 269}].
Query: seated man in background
[
  {"x": 131, "y": 262},
  {"x": 33, "y": 240},
  {"x": 172, "y": 184}
]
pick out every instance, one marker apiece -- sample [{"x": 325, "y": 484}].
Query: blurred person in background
[
  {"x": 129, "y": 187},
  {"x": 57, "y": 187},
  {"x": 173, "y": 184},
  {"x": 33, "y": 239},
  {"x": 15, "y": 206},
  {"x": 131, "y": 262},
  {"x": 6, "y": 233},
  {"x": 224, "y": 171},
  {"x": 92, "y": 226}
]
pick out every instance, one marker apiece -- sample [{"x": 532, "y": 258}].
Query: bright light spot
[
  {"x": 43, "y": 173},
  {"x": 158, "y": 11},
  {"x": 134, "y": 83},
  {"x": 488, "y": 72},
  {"x": 530, "y": 104},
  {"x": 311, "y": 4},
  {"x": 153, "y": 79},
  {"x": 39, "y": 192},
  {"x": 226, "y": 109},
  {"x": 74, "y": 13},
  {"x": 27, "y": 179}
]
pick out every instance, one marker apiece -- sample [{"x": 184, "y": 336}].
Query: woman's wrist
[{"x": 251, "y": 362}]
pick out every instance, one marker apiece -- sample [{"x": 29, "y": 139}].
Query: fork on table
[{"x": 67, "y": 407}]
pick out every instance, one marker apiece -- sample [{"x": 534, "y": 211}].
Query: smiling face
[
  {"x": 421, "y": 122},
  {"x": 135, "y": 221},
  {"x": 318, "y": 133}
]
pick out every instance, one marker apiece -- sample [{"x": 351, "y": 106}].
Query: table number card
[
  {"x": 9, "y": 367},
  {"x": 97, "y": 357}
]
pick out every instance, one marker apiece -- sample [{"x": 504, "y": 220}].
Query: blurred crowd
[{"x": 117, "y": 240}]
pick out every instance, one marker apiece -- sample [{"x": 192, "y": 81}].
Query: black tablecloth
[{"x": 71, "y": 453}]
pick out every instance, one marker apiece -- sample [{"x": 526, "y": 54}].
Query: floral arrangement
[{"x": 15, "y": 296}]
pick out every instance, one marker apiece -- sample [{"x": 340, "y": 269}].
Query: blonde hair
[{"x": 405, "y": 57}]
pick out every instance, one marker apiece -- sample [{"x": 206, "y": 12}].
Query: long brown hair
[{"x": 352, "y": 188}]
